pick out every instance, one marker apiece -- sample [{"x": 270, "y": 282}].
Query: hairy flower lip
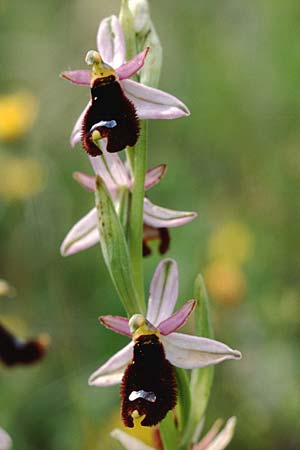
[{"x": 182, "y": 350}]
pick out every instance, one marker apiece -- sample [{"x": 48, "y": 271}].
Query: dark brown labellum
[
  {"x": 112, "y": 114},
  {"x": 14, "y": 351},
  {"x": 153, "y": 234},
  {"x": 149, "y": 384}
]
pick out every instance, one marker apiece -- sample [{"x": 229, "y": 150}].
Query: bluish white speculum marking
[
  {"x": 149, "y": 396},
  {"x": 104, "y": 123}
]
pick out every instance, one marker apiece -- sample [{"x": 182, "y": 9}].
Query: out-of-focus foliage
[{"x": 236, "y": 160}]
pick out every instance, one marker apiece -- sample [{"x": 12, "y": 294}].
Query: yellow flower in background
[
  {"x": 20, "y": 178},
  {"x": 17, "y": 114},
  {"x": 231, "y": 241},
  {"x": 225, "y": 282}
]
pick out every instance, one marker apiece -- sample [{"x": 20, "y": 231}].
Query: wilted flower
[
  {"x": 117, "y": 102},
  {"x": 156, "y": 345},
  {"x": 213, "y": 440},
  {"x": 117, "y": 177}
]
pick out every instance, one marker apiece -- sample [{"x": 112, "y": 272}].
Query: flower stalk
[{"x": 136, "y": 215}]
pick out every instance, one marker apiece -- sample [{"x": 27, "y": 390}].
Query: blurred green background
[{"x": 235, "y": 161}]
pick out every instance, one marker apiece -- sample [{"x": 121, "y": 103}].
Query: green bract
[{"x": 114, "y": 248}]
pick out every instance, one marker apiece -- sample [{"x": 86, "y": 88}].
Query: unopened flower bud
[
  {"x": 146, "y": 36},
  {"x": 141, "y": 16}
]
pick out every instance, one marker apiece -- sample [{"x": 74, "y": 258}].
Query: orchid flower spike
[
  {"x": 117, "y": 103},
  {"x": 116, "y": 176},
  {"x": 156, "y": 347},
  {"x": 213, "y": 440}
]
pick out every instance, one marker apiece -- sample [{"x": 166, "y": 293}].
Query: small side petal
[
  {"x": 83, "y": 234},
  {"x": 190, "y": 352},
  {"x": 130, "y": 68},
  {"x": 224, "y": 437},
  {"x": 78, "y": 77},
  {"x": 111, "y": 42},
  {"x": 76, "y": 132},
  {"x": 112, "y": 371},
  {"x": 159, "y": 217},
  {"x": 154, "y": 175},
  {"x": 129, "y": 442},
  {"x": 111, "y": 169},
  {"x": 5, "y": 440},
  {"x": 153, "y": 103},
  {"x": 163, "y": 292},
  {"x": 116, "y": 323},
  {"x": 177, "y": 319}
]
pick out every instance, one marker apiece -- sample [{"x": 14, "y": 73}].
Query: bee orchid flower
[
  {"x": 144, "y": 367},
  {"x": 117, "y": 177},
  {"x": 117, "y": 103}
]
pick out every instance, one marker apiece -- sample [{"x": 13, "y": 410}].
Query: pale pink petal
[
  {"x": 177, "y": 319},
  {"x": 111, "y": 42},
  {"x": 83, "y": 234},
  {"x": 111, "y": 169},
  {"x": 78, "y": 77},
  {"x": 86, "y": 181},
  {"x": 224, "y": 437},
  {"x": 129, "y": 442},
  {"x": 130, "y": 68},
  {"x": 163, "y": 292},
  {"x": 154, "y": 175},
  {"x": 76, "y": 132},
  {"x": 190, "y": 352},
  {"x": 5, "y": 440},
  {"x": 210, "y": 435},
  {"x": 153, "y": 103},
  {"x": 112, "y": 371},
  {"x": 159, "y": 217},
  {"x": 117, "y": 324}
]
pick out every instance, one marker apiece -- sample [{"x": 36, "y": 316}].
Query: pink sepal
[
  {"x": 78, "y": 77},
  {"x": 154, "y": 175},
  {"x": 116, "y": 323},
  {"x": 87, "y": 181}
]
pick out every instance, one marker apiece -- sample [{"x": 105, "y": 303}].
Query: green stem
[{"x": 136, "y": 216}]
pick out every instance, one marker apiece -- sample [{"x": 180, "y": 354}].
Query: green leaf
[
  {"x": 203, "y": 325},
  {"x": 184, "y": 398},
  {"x": 114, "y": 248},
  {"x": 201, "y": 379},
  {"x": 169, "y": 432}
]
